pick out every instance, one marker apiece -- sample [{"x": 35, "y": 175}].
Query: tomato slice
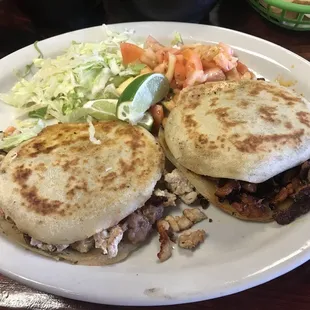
[
  {"x": 153, "y": 44},
  {"x": 242, "y": 68},
  {"x": 187, "y": 53},
  {"x": 179, "y": 71},
  {"x": 130, "y": 52},
  {"x": 193, "y": 62},
  {"x": 207, "y": 64}
]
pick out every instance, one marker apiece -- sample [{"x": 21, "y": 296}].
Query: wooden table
[{"x": 291, "y": 291}]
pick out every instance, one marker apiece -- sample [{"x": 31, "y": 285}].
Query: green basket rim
[{"x": 288, "y": 6}]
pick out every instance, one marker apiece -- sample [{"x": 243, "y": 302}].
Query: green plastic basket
[{"x": 285, "y": 14}]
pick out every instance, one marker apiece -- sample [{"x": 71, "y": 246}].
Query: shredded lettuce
[
  {"x": 78, "y": 85},
  {"x": 28, "y": 68},
  {"x": 62, "y": 85},
  {"x": 39, "y": 113},
  {"x": 177, "y": 40}
]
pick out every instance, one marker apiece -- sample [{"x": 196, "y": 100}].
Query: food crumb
[
  {"x": 286, "y": 83},
  {"x": 204, "y": 203}
]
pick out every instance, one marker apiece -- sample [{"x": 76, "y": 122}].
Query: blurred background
[{"x": 24, "y": 21}]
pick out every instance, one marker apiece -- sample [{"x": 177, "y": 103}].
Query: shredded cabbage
[
  {"x": 62, "y": 85},
  {"x": 62, "y": 88},
  {"x": 177, "y": 40}
]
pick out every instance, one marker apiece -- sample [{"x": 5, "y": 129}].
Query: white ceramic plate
[{"x": 236, "y": 255}]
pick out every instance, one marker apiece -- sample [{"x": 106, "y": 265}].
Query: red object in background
[
  {"x": 16, "y": 29},
  {"x": 12, "y": 17}
]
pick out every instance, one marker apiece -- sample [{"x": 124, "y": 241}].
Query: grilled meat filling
[{"x": 255, "y": 199}]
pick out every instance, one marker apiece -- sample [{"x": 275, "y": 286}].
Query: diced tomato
[
  {"x": 149, "y": 53},
  {"x": 207, "y": 64},
  {"x": 166, "y": 57},
  {"x": 157, "y": 111},
  {"x": 226, "y": 48},
  {"x": 147, "y": 61},
  {"x": 179, "y": 71},
  {"x": 153, "y": 44},
  {"x": 215, "y": 75},
  {"x": 171, "y": 50},
  {"x": 160, "y": 54},
  {"x": 174, "y": 84},
  {"x": 193, "y": 63},
  {"x": 180, "y": 58},
  {"x": 197, "y": 76},
  {"x": 9, "y": 131},
  {"x": 187, "y": 53},
  {"x": 242, "y": 68},
  {"x": 225, "y": 62},
  {"x": 233, "y": 74},
  {"x": 130, "y": 52}
]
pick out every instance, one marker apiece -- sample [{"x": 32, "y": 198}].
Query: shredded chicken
[
  {"x": 181, "y": 187},
  {"x": 189, "y": 198},
  {"x": 195, "y": 215},
  {"x": 179, "y": 223},
  {"x": 171, "y": 198},
  {"x": 84, "y": 246},
  {"x": 48, "y": 247},
  {"x": 109, "y": 241},
  {"x": 137, "y": 226},
  {"x": 116, "y": 235},
  {"x": 101, "y": 241},
  {"x": 187, "y": 220},
  {"x": 178, "y": 184},
  {"x": 165, "y": 251},
  {"x": 191, "y": 239}
]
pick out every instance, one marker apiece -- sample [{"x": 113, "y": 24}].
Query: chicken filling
[
  {"x": 134, "y": 229},
  {"x": 138, "y": 225},
  {"x": 180, "y": 186}
]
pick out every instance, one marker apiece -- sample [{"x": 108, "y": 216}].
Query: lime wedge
[
  {"x": 102, "y": 109},
  {"x": 147, "y": 121},
  {"x": 140, "y": 95},
  {"x": 123, "y": 110}
]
